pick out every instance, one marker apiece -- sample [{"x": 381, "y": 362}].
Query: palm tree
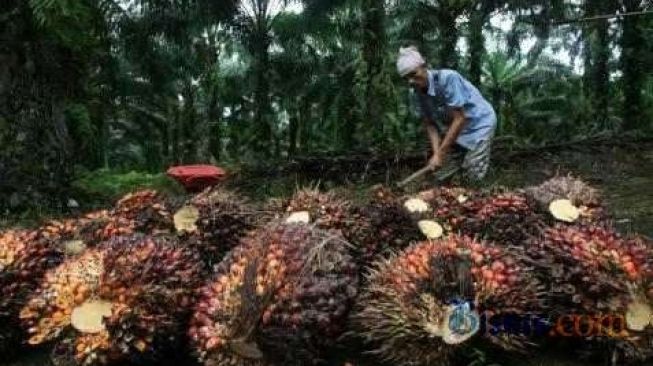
[
  {"x": 520, "y": 94},
  {"x": 254, "y": 22},
  {"x": 632, "y": 62}
]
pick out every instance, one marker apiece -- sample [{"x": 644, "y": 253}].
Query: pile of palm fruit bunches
[{"x": 411, "y": 279}]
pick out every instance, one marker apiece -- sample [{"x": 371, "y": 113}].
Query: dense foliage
[{"x": 143, "y": 84}]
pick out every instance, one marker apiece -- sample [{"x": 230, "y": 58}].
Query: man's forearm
[
  {"x": 434, "y": 137},
  {"x": 454, "y": 130}
]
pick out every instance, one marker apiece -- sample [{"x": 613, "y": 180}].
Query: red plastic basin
[{"x": 197, "y": 177}]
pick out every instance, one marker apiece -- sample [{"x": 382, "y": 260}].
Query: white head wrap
[{"x": 409, "y": 59}]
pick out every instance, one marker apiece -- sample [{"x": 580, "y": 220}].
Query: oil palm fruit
[
  {"x": 591, "y": 270},
  {"x": 424, "y": 305},
  {"x": 214, "y": 221},
  {"x": 570, "y": 191},
  {"x": 125, "y": 301},
  {"x": 143, "y": 211},
  {"x": 23, "y": 261},
  {"x": 281, "y": 297}
]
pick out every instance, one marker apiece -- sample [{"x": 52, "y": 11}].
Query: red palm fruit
[
  {"x": 638, "y": 251},
  {"x": 126, "y": 300},
  {"x": 593, "y": 270},
  {"x": 326, "y": 210},
  {"x": 402, "y": 313},
  {"x": 381, "y": 225},
  {"x": 142, "y": 211},
  {"x": 501, "y": 216},
  {"x": 221, "y": 219},
  {"x": 23, "y": 261},
  {"x": 74, "y": 234},
  {"x": 281, "y": 296},
  {"x": 584, "y": 261},
  {"x": 448, "y": 202}
]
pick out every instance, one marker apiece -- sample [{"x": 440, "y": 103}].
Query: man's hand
[{"x": 436, "y": 161}]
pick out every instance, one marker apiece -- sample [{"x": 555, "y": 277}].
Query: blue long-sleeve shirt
[{"x": 447, "y": 88}]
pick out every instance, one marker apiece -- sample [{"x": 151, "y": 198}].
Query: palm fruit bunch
[
  {"x": 383, "y": 224},
  {"x": 587, "y": 267},
  {"x": 324, "y": 209},
  {"x": 142, "y": 211},
  {"x": 508, "y": 218},
  {"x": 640, "y": 254},
  {"x": 23, "y": 262},
  {"x": 502, "y": 216},
  {"x": 281, "y": 297},
  {"x": 637, "y": 262},
  {"x": 423, "y": 305},
  {"x": 328, "y": 211},
  {"x": 592, "y": 270},
  {"x": 75, "y": 234},
  {"x": 572, "y": 192},
  {"x": 449, "y": 205},
  {"x": 125, "y": 301},
  {"x": 214, "y": 221}
]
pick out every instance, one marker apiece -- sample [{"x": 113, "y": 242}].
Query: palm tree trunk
[
  {"x": 631, "y": 66},
  {"x": 215, "y": 136},
  {"x": 234, "y": 131},
  {"x": 347, "y": 120},
  {"x": 596, "y": 55},
  {"x": 374, "y": 45},
  {"x": 602, "y": 73},
  {"x": 189, "y": 123},
  {"x": 476, "y": 46},
  {"x": 588, "y": 59},
  {"x": 496, "y": 103},
  {"x": 101, "y": 159},
  {"x": 293, "y": 129},
  {"x": 449, "y": 34},
  {"x": 263, "y": 131},
  {"x": 176, "y": 132},
  {"x": 304, "y": 126}
]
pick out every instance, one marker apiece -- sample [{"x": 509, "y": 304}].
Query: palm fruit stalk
[
  {"x": 281, "y": 297},
  {"x": 23, "y": 262},
  {"x": 587, "y": 199},
  {"x": 125, "y": 301},
  {"x": 404, "y": 313},
  {"x": 214, "y": 221},
  {"x": 142, "y": 211},
  {"x": 592, "y": 270}
]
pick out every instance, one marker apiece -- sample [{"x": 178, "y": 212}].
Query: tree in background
[
  {"x": 145, "y": 84},
  {"x": 632, "y": 62}
]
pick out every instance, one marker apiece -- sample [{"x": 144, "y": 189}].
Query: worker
[{"x": 459, "y": 122}]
